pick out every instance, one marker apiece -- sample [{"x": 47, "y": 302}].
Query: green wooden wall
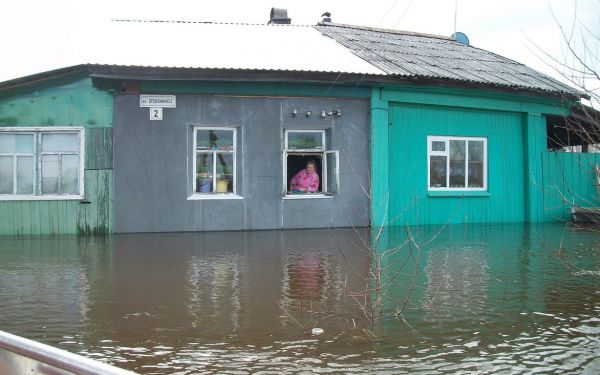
[
  {"x": 70, "y": 101},
  {"x": 410, "y": 201},
  {"x": 568, "y": 180},
  {"x": 403, "y": 117}
]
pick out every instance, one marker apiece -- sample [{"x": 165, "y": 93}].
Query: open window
[
  {"x": 310, "y": 170},
  {"x": 39, "y": 163},
  {"x": 457, "y": 163},
  {"x": 214, "y": 161}
]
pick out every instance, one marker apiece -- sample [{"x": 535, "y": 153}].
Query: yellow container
[{"x": 222, "y": 186}]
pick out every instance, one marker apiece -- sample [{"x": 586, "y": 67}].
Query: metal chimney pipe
[{"x": 279, "y": 17}]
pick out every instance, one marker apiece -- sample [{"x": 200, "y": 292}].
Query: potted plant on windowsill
[
  {"x": 303, "y": 144},
  {"x": 203, "y": 181}
]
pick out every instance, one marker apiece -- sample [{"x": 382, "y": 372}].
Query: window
[
  {"x": 214, "y": 161},
  {"x": 41, "y": 163},
  {"x": 457, "y": 163},
  {"x": 304, "y": 147}
]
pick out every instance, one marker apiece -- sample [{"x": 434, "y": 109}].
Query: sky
[{"x": 40, "y": 35}]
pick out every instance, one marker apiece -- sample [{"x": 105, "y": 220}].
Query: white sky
[{"x": 40, "y": 35}]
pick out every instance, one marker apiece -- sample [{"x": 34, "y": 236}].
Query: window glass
[
  {"x": 214, "y": 139},
  {"x": 438, "y": 146},
  {"x": 437, "y": 171},
  {"x": 224, "y": 173},
  {"x": 69, "y": 176},
  {"x": 50, "y": 174},
  {"x": 16, "y": 143},
  {"x": 457, "y": 163},
  {"x": 40, "y": 162},
  {"x": 215, "y": 161},
  {"x": 332, "y": 172},
  {"x": 204, "y": 172},
  {"x": 6, "y": 174},
  {"x": 24, "y": 174},
  {"x": 476, "y": 164},
  {"x": 60, "y": 142},
  {"x": 305, "y": 140}
]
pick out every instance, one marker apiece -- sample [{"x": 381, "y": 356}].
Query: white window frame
[
  {"x": 212, "y": 194},
  {"x": 317, "y": 151},
  {"x": 446, "y": 153},
  {"x": 37, "y": 157}
]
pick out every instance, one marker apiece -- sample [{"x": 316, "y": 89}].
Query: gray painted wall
[{"x": 153, "y": 173}]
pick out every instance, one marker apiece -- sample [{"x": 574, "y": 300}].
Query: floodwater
[{"x": 468, "y": 299}]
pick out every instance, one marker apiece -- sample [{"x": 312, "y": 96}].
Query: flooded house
[{"x": 213, "y": 130}]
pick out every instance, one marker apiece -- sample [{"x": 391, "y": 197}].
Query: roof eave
[
  {"x": 43, "y": 77},
  {"x": 224, "y": 74},
  {"x": 514, "y": 90}
]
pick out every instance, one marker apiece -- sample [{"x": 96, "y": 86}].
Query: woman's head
[{"x": 311, "y": 166}]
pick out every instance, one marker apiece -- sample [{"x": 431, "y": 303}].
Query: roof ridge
[
  {"x": 132, "y": 20},
  {"x": 384, "y": 30}
]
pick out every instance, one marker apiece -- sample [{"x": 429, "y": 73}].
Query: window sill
[
  {"x": 307, "y": 196},
  {"x": 204, "y": 197},
  {"x": 41, "y": 198},
  {"x": 458, "y": 193}
]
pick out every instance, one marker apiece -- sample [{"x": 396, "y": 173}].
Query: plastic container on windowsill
[
  {"x": 222, "y": 186},
  {"x": 204, "y": 186}
]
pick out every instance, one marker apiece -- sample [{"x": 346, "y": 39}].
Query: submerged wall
[
  {"x": 517, "y": 166},
  {"x": 568, "y": 180},
  {"x": 66, "y": 102},
  {"x": 154, "y": 177}
]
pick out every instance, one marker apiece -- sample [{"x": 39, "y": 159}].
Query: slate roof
[{"x": 405, "y": 54}]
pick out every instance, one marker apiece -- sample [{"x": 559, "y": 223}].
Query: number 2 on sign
[{"x": 156, "y": 114}]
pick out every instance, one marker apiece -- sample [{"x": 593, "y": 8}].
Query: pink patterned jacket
[{"x": 304, "y": 181}]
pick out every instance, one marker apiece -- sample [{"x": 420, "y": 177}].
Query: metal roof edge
[
  {"x": 128, "y": 72},
  {"x": 128, "y": 20},
  {"x": 462, "y": 87},
  {"x": 263, "y": 75},
  {"x": 43, "y": 76}
]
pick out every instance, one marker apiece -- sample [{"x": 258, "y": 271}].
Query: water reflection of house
[
  {"x": 214, "y": 288},
  {"x": 45, "y": 285},
  {"x": 312, "y": 285},
  {"x": 457, "y": 282},
  {"x": 305, "y": 277}
]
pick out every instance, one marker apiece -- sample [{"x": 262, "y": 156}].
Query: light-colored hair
[{"x": 314, "y": 164}]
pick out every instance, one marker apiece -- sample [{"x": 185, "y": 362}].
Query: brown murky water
[{"x": 471, "y": 299}]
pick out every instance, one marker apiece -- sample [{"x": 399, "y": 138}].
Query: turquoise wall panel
[
  {"x": 380, "y": 124},
  {"x": 75, "y": 102},
  {"x": 568, "y": 180},
  {"x": 410, "y": 201}
]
